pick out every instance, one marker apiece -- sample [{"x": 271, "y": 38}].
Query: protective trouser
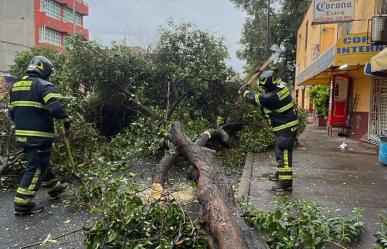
[
  {"x": 38, "y": 172},
  {"x": 284, "y": 142}
]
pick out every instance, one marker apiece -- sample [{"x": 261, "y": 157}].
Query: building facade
[
  {"x": 336, "y": 54},
  {"x": 28, "y": 23}
]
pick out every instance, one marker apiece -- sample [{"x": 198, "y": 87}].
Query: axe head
[
  {"x": 275, "y": 48},
  {"x": 277, "y": 52}
]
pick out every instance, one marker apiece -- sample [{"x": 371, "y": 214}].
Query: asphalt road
[{"x": 58, "y": 218}]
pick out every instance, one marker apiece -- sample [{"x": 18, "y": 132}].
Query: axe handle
[
  {"x": 260, "y": 70},
  {"x": 253, "y": 78},
  {"x": 68, "y": 151}
]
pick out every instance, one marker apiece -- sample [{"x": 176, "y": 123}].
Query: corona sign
[{"x": 332, "y": 11}]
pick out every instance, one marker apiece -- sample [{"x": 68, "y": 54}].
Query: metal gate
[{"x": 377, "y": 120}]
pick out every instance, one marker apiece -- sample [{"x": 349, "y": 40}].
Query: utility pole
[{"x": 268, "y": 30}]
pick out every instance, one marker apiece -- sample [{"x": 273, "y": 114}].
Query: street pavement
[
  {"x": 58, "y": 219},
  {"x": 61, "y": 218},
  {"x": 324, "y": 173}
]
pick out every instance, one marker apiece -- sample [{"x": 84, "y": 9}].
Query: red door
[{"x": 338, "y": 111}]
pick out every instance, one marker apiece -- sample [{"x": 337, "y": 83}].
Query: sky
[{"x": 137, "y": 21}]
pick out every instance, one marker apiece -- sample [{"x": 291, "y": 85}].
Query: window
[
  {"x": 49, "y": 36},
  {"x": 51, "y": 8},
  {"x": 347, "y": 28},
  {"x": 306, "y": 35},
  {"x": 69, "y": 17},
  {"x": 382, "y": 6}
]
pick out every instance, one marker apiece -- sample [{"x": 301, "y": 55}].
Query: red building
[{"x": 56, "y": 19}]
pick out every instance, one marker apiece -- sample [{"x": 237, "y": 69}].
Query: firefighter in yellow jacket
[
  {"x": 34, "y": 103},
  {"x": 277, "y": 105}
]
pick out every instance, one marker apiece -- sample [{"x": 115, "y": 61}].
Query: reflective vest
[
  {"x": 34, "y": 103},
  {"x": 278, "y": 107}
]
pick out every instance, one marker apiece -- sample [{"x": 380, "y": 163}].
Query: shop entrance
[
  {"x": 377, "y": 120},
  {"x": 338, "y": 103}
]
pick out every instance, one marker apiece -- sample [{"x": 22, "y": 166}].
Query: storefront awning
[
  {"x": 379, "y": 61},
  {"x": 321, "y": 64},
  {"x": 322, "y": 78},
  {"x": 368, "y": 71},
  {"x": 350, "y": 51}
]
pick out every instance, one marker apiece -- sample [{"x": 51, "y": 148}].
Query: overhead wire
[{"x": 16, "y": 44}]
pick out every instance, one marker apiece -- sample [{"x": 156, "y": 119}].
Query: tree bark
[
  {"x": 166, "y": 162},
  {"x": 143, "y": 109},
  {"x": 221, "y": 214},
  {"x": 139, "y": 106},
  {"x": 3, "y": 165}
]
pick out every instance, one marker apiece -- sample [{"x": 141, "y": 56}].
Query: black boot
[
  {"x": 282, "y": 186},
  {"x": 273, "y": 177},
  {"x": 28, "y": 209},
  {"x": 55, "y": 194}
]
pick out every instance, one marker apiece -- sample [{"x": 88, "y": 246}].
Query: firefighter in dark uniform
[
  {"x": 34, "y": 103},
  {"x": 277, "y": 105}
]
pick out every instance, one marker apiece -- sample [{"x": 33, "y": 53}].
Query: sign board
[
  {"x": 332, "y": 11},
  {"x": 354, "y": 49}
]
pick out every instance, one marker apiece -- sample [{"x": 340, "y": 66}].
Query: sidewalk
[{"x": 326, "y": 175}]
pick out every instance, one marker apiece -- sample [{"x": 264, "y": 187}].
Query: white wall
[{"x": 16, "y": 29}]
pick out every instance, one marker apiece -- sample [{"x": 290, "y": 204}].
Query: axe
[
  {"x": 68, "y": 152},
  {"x": 277, "y": 51}
]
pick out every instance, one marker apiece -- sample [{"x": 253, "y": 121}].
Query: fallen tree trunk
[
  {"x": 222, "y": 216},
  {"x": 166, "y": 162},
  {"x": 221, "y": 135}
]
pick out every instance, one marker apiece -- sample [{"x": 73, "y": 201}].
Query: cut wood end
[{"x": 157, "y": 191}]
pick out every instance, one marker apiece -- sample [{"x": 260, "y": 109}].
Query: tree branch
[
  {"x": 5, "y": 163},
  {"x": 139, "y": 106}
]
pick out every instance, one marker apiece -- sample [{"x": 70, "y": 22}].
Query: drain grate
[{"x": 375, "y": 141}]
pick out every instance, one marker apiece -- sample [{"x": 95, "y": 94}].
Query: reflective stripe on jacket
[
  {"x": 277, "y": 106},
  {"x": 34, "y": 104}
]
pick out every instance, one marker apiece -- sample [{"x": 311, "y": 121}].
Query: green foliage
[
  {"x": 304, "y": 224},
  {"x": 129, "y": 223},
  {"x": 125, "y": 221},
  {"x": 320, "y": 97},
  {"x": 302, "y": 118},
  {"x": 108, "y": 74},
  {"x": 254, "y": 141},
  {"x": 9, "y": 151},
  {"x": 288, "y": 17},
  {"x": 83, "y": 139},
  {"x": 23, "y": 59},
  {"x": 140, "y": 136},
  {"x": 381, "y": 235},
  {"x": 257, "y": 136},
  {"x": 188, "y": 61},
  {"x": 191, "y": 63}
]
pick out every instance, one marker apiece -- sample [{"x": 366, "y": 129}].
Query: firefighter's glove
[{"x": 243, "y": 88}]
